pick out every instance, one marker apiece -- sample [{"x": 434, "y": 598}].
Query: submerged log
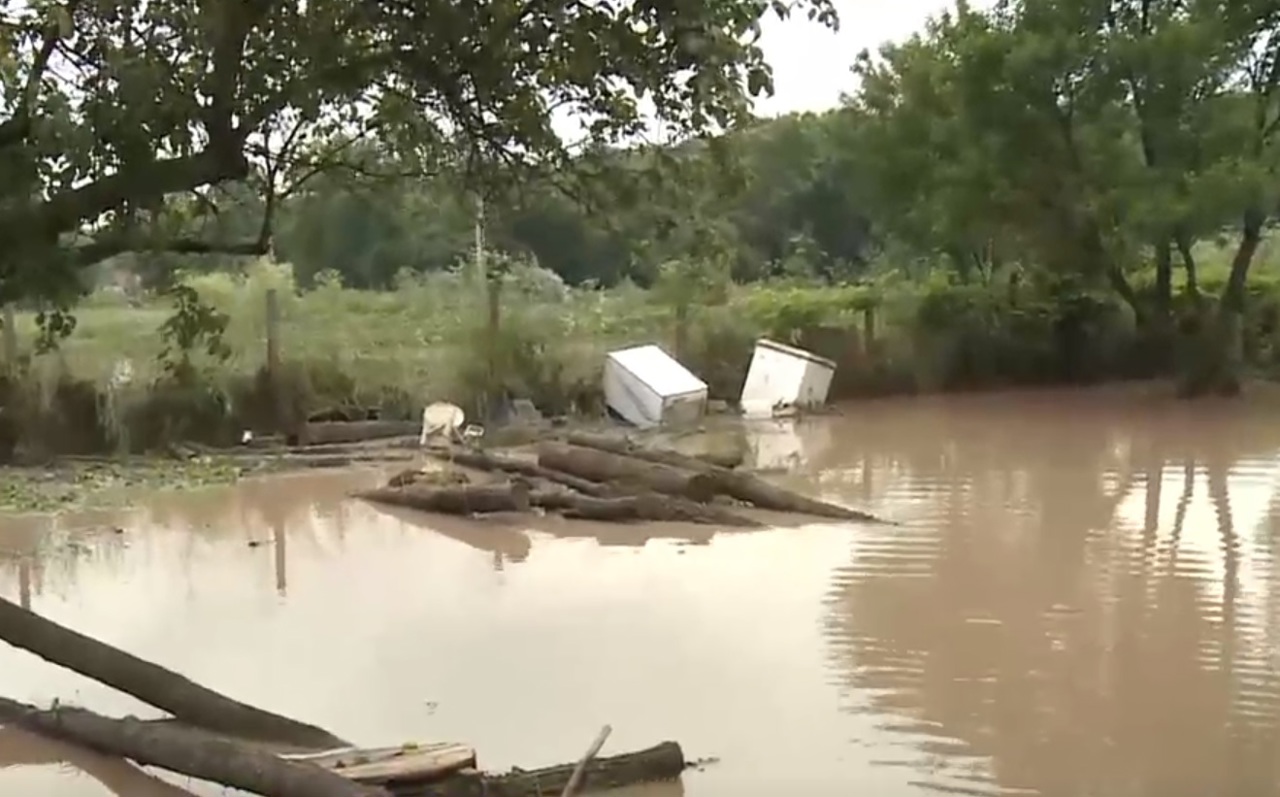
[
  {"x": 460, "y": 499},
  {"x": 627, "y": 472},
  {"x": 166, "y": 690},
  {"x": 493, "y": 463},
  {"x": 185, "y": 750},
  {"x": 733, "y": 483},
  {"x": 354, "y": 431},
  {"x": 661, "y": 762},
  {"x": 632, "y": 508}
]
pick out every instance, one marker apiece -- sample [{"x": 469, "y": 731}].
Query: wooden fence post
[
  {"x": 24, "y": 583},
  {"x": 681, "y": 342},
  {"x": 275, "y": 381},
  {"x": 10, "y": 339},
  {"x": 868, "y": 331},
  {"x": 493, "y": 332}
]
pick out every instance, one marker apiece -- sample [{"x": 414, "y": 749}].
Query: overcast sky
[{"x": 811, "y": 64}]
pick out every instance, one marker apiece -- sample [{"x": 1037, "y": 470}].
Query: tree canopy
[{"x": 117, "y": 116}]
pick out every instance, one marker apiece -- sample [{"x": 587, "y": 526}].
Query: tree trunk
[
  {"x": 663, "y": 456},
  {"x": 623, "y": 447},
  {"x": 650, "y": 506},
  {"x": 185, "y": 750},
  {"x": 1216, "y": 364},
  {"x": 1120, "y": 284},
  {"x": 625, "y": 471},
  {"x": 1189, "y": 264},
  {"x": 151, "y": 683},
  {"x": 22, "y": 748},
  {"x": 453, "y": 500},
  {"x": 492, "y": 463},
  {"x": 1162, "y": 319},
  {"x": 660, "y": 762},
  {"x": 732, "y": 483}
]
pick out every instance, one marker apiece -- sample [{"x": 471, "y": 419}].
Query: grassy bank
[{"x": 429, "y": 340}]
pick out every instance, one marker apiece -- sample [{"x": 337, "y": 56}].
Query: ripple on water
[{"x": 1087, "y": 606}]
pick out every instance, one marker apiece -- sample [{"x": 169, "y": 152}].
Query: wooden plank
[{"x": 404, "y": 763}]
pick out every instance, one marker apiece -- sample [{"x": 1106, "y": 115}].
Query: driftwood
[
  {"x": 462, "y": 499},
  {"x": 735, "y": 484},
  {"x": 354, "y": 431},
  {"x": 661, "y": 762},
  {"x": 590, "y": 500},
  {"x": 186, "y": 750},
  {"x": 608, "y": 468},
  {"x": 647, "y": 506},
  {"x": 493, "y": 463},
  {"x": 151, "y": 683}
]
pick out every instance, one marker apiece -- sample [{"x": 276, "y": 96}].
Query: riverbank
[{"x": 119, "y": 385}]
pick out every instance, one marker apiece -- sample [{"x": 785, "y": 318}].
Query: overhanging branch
[
  {"x": 89, "y": 254},
  {"x": 67, "y": 211}
]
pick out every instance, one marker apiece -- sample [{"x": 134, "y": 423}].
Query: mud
[{"x": 1083, "y": 600}]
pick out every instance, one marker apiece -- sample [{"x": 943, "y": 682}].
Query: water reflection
[
  {"x": 394, "y": 627},
  {"x": 1085, "y": 598},
  {"x": 19, "y": 749}
]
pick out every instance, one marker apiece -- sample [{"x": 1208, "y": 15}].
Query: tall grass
[{"x": 428, "y": 340}]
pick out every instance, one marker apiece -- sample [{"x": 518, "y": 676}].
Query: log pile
[
  {"x": 600, "y": 478},
  {"x": 215, "y": 738}
]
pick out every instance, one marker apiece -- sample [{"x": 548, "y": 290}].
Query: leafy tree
[
  {"x": 110, "y": 109},
  {"x": 1081, "y": 137}
]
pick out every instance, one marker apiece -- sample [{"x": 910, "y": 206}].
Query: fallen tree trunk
[
  {"x": 664, "y": 456},
  {"x": 735, "y": 484},
  {"x": 660, "y": 762},
  {"x": 625, "y": 448},
  {"x": 492, "y": 463},
  {"x": 354, "y": 431},
  {"x": 631, "y": 508},
  {"x": 626, "y": 472},
  {"x": 22, "y": 748},
  {"x": 185, "y": 750},
  {"x": 151, "y": 683},
  {"x": 460, "y": 499}
]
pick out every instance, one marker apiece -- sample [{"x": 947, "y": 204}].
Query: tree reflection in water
[{"x": 1047, "y": 612}]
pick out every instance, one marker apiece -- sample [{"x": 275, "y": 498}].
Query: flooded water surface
[{"x": 1082, "y": 599}]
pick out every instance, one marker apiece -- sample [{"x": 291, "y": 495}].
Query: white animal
[{"x": 440, "y": 420}]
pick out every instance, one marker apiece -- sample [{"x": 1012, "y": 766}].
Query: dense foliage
[
  {"x": 1057, "y": 146},
  {"x": 118, "y": 116}
]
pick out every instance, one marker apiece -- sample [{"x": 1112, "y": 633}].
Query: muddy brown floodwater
[{"x": 1084, "y": 600}]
